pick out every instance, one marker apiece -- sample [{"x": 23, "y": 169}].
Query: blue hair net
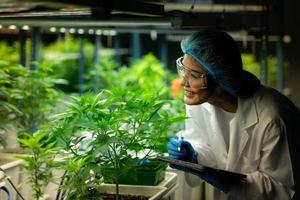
[{"x": 219, "y": 55}]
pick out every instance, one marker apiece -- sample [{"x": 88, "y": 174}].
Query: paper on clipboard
[{"x": 200, "y": 169}]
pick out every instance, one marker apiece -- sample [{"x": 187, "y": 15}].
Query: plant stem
[{"x": 35, "y": 177}]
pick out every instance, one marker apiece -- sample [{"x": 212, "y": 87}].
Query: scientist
[{"x": 234, "y": 123}]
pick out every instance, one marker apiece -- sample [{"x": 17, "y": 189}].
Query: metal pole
[
  {"x": 35, "y": 57},
  {"x": 280, "y": 66},
  {"x": 22, "y": 50},
  {"x": 81, "y": 64},
  {"x": 264, "y": 62},
  {"x": 96, "y": 60},
  {"x": 35, "y": 46},
  {"x": 279, "y": 46},
  {"x": 96, "y": 50},
  {"x": 117, "y": 45},
  {"x": 163, "y": 51},
  {"x": 136, "y": 46},
  {"x": 264, "y": 42}
]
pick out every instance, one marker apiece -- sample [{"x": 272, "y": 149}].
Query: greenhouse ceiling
[{"x": 130, "y": 14}]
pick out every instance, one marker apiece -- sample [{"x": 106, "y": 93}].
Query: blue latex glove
[{"x": 182, "y": 150}]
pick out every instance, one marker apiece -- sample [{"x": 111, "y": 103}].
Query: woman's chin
[
  {"x": 190, "y": 100},
  {"x": 195, "y": 100}
]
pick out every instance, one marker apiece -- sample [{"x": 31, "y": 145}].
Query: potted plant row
[{"x": 26, "y": 98}]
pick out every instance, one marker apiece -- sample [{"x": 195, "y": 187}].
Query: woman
[{"x": 234, "y": 123}]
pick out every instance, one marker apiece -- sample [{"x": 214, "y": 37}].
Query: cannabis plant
[
  {"x": 253, "y": 66},
  {"x": 145, "y": 74},
  {"x": 112, "y": 129},
  {"x": 27, "y": 96},
  {"x": 62, "y": 55},
  {"x": 39, "y": 162}
]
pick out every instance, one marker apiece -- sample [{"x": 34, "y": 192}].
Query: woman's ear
[
  {"x": 210, "y": 82},
  {"x": 213, "y": 86}
]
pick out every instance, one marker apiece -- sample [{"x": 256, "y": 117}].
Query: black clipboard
[{"x": 200, "y": 169}]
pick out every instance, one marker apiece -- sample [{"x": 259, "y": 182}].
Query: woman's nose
[{"x": 184, "y": 81}]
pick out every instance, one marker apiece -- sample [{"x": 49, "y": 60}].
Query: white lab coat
[{"x": 258, "y": 145}]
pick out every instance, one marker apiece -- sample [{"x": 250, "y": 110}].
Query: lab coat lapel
[
  {"x": 217, "y": 140},
  {"x": 246, "y": 116}
]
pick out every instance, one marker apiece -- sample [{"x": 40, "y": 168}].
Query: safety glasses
[{"x": 193, "y": 77}]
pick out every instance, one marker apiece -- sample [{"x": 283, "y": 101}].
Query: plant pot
[
  {"x": 45, "y": 197},
  {"x": 148, "y": 174},
  {"x": 132, "y": 191},
  {"x": 11, "y": 168}
]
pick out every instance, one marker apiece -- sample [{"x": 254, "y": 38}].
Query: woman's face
[{"x": 196, "y": 90}]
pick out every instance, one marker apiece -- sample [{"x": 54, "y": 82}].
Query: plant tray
[
  {"x": 135, "y": 191},
  {"x": 146, "y": 175}
]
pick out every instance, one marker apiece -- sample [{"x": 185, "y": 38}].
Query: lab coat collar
[
  {"x": 247, "y": 112},
  {"x": 246, "y": 117}
]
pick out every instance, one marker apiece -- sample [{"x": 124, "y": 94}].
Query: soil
[{"x": 123, "y": 197}]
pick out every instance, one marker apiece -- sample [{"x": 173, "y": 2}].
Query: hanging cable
[
  {"x": 192, "y": 6},
  {"x": 264, "y": 41},
  {"x": 221, "y": 17}
]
